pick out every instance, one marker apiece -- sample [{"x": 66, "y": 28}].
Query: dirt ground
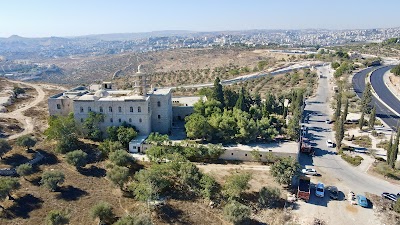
[{"x": 88, "y": 69}]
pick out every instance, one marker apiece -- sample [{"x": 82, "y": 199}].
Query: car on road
[
  {"x": 362, "y": 201},
  {"x": 330, "y": 143},
  {"x": 333, "y": 193},
  {"x": 309, "y": 171},
  {"x": 390, "y": 196},
  {"x": 320, "y": 190},
  {"x": 328, "y": 121}
]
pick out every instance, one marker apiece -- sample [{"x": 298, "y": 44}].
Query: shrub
[
  {"x": 355, "y": 161},
  {"x": 236, "y": 212},
  {"x": 236, "y": 184},
  {"x": 103, "y": 211},
  {"x": 121, "y": 158},
  {"x": 51, "y": 179},
  {"x": 396, "y": 207},
  {"x": 56, "y": 217},
  {"x": 77, "y": 158},
  {"x": 24, "y": 170},
  {"x": 268, "y": 196}
]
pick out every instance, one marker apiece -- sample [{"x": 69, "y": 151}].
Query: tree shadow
[
  {"x": 92, "y": 171},
  {"x": 170, "y": 215},
  {"x": 49, "y": 158},
  {"x": 24, "y": 205},
  {"x": 15, "y": 160},
  {"x": 35, "y": 181},
  {"x": 70, "y": 193}
]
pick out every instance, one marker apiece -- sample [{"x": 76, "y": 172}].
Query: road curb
[{"x": 376, "y": 95}]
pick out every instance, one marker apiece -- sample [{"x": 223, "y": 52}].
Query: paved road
[
  {"x": 382, "y": 111},
  {"x": 334, "y": 170},
  {"x": 382, "y": 90}
]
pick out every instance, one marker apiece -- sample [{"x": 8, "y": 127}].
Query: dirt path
[{"x": 28, "y": 122}]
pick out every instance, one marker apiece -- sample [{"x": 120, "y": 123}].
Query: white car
[
  {"x": 309, "y": 171},
  {"x": 320, "y": 190},
  {"x": 329, "y": 143},
  {"x": 328, "y": 121}
]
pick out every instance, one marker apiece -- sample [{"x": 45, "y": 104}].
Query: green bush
[
  {"x": 363, "y": 141},
  {"x": 236, "y": 212},
  {"x": 355, "y": 161},
  {"x": 396, "y": 207}
]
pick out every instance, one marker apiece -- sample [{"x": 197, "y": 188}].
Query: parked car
[
  {"x": 390, "y": 196},
  {"x": 320, "y": 190},
  {"x": 362, "y": 201},
  {"x": 333, "y": 193},
  {"x": 328, "y": 121},
  {"x": 329, "y": 143},
  {"x": 309, "y": 171}
]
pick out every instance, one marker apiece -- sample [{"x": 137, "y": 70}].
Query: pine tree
[{"x": 372, "y": 118}]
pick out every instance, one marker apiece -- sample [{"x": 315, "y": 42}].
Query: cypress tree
[
  {"x": 339, "y": 135},
  {"x": 218, "y": 93},
  {"x": 338, "y": 105},
  {"x": 361, "y": 122},
  {"x": 389, "y": 150},
  {"x": 241, "y": 102},
  {"x": 395, "y": 149},
  {"x": 346, "y": 110},
  {"x": 372, "y": 118}
]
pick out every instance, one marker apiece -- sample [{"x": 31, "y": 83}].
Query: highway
[
  {"x": 334, "y": 170},
  {"x": 382, "y": 91}
]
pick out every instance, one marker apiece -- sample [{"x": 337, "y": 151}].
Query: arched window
[
  {"x": 119, "y": 109},
  {"x": 131, "y": 109},
  {"x": 89, "y": 109},
  {"x": 140, "y": 120},
  {"x": 130, "y": 120},
  {"x": 139, "y": 109},
  {"x": 101, "y": 109},
  {"x": 81, "y": 120},
  {"x": 119, "y": 120},
  {"x": 81, "y": 109},
  {"x": 159, "y": 116},
  {"x": 111, "y": 120},
  {"x": 110, "y": 109},
  {"x": 158, "y": 103}
]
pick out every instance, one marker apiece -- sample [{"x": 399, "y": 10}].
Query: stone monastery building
[{"x": 148, "y": 109}]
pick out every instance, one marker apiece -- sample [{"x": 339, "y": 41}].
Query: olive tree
[
  {"x": 77, "y": 158},
  {"x": 4, "y": 147},
  {"x": 103, "y": 211},
  {"x": 24, "y": 170},
  {"x": 56, "y": 217},
  {"x": 26, "y": 141},
  {"x": 51, "y": 179},
  {"x": 121, "y": 158}
]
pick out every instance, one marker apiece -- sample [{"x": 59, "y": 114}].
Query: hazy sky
[{"x": 37, "y": 18}]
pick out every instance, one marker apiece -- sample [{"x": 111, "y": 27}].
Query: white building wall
[
  {"x": 141, "y": 120},
  {"x": 60, "y": 106},
  {"x": 161, "y": 117},
  {"x": 243, "y": 155}
]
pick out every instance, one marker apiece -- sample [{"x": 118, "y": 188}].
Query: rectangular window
[{"x": 58, "y": 106}]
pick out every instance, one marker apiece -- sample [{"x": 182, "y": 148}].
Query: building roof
[
  {"x": 161, "y": 91},
  {"x": 138, "y": 139},
  {"x": 186, "y": 100}
]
